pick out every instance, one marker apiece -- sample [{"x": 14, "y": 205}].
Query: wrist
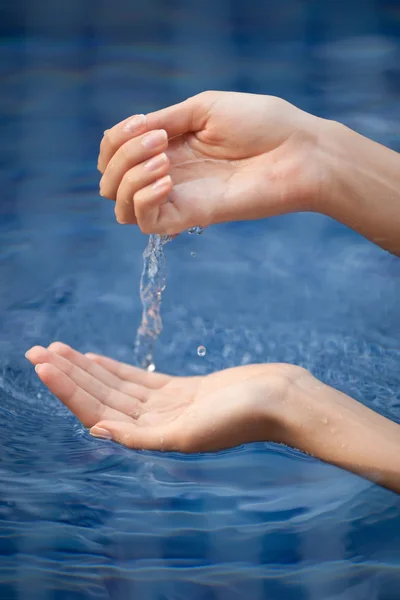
[
  {"x": 337, "y": 429},
  {"x": 279, "y": 410},
  {"x": 334, "y": 142},
  {"x": 302, "y": 169},
  {"x": 360, "y": 184}
]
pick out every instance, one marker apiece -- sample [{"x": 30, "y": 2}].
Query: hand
[
  {"x": 153, "y": 411},
  {"x": 216, "y": 157},
  {"x": 276, "y": 402}
]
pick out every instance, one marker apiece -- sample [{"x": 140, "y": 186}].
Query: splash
[{"x": 152, "y": 285}]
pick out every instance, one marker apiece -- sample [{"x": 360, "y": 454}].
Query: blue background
[{"x": 87, "y": 519}]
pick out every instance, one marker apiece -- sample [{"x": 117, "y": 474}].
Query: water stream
[{"x": 152, "y": 285}]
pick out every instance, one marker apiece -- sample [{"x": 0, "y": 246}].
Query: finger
[
  {"x": 139, "y": 177},
  {"x": 119, "y": 134},
  {"x": 84, "y": 406},
  {"x": 154, "y": 212},
  {"x": 130, "y": 154},
  {"x": 108, "y": 396},
  {"x": 99, "y": 372},
  {"x": 185, "y": 117},
  {"x": 163, "y": 438},
  {"x": 130, "y": 373}
]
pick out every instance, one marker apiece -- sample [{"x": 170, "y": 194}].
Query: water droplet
[
  {"x": 324, "y": 420},
  {"x": 38, "y": 395},
  {"x": 201, "y": 351},
  {"x": 199, "y": 230},
  {"x": 151, "y": 367},
  {"x": 193, "y": 254}
]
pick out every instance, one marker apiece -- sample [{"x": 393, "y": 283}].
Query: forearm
[
  {"x": 361, "y": 185},
  {"x": 339, "y": 430}
]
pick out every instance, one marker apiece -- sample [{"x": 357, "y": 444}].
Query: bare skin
[
  {"x": 216, "y": 157},
  {"x": 224, "y": 156},
  {"x": 275, "y": 402},
  {"x": 220, "y": 157}
]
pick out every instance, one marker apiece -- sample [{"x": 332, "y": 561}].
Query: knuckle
[
  {"x": 127, "y": 150},
  {"x": 130, "y": 179}
]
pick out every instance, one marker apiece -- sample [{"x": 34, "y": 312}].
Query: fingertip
[
  {"x": 28, "y": 353},
  {"x": 42, "y": 369},
  {"x": 134, "y": 125},
  {"x": 121, "y": 220},
  {"x": 45, "y": 371},
  {"x": 100, "y": 432},
  {"x": 162, "y": 184},
  {"x": 56, "y": 345},
  {"x": 61, "y": 349},
  {"x": 100, "y": 165},
  {"x": 34, "y": 353},
  {"x": 119, "y": 431}
]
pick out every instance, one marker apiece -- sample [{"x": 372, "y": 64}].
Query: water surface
[{"x": 82, "y": 518}]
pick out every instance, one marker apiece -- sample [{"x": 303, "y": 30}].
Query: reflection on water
[{"x": 87, "y": 519}]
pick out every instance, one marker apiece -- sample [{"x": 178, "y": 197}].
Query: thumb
[
  {"x": 135, "y": 436},
  {"x": 187, "y": 116}
]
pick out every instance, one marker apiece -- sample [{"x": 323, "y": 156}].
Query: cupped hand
[
  {"x": 153, "y": 411},
  {"x": 216, "y": 157}
]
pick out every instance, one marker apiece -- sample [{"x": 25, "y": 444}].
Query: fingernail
[
  {"x": 153, "y": 139},
  {"x": 36, "y": 368},
  {"x": 163, "y": 182},
  {"x": 156, "y": 162},
  {"x": 135, "y": 124},
  {"x": 101, "y": 433}
]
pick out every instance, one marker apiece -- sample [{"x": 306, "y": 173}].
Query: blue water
[{"x": 83, "y": 519}]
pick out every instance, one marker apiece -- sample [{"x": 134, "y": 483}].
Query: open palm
[{"x": 155, "y": 411}]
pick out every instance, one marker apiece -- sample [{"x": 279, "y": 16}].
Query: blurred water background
[{"x": 83, "y": 519}]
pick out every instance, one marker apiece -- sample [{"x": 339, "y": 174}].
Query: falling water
[{"x": 152, "y": 285}]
